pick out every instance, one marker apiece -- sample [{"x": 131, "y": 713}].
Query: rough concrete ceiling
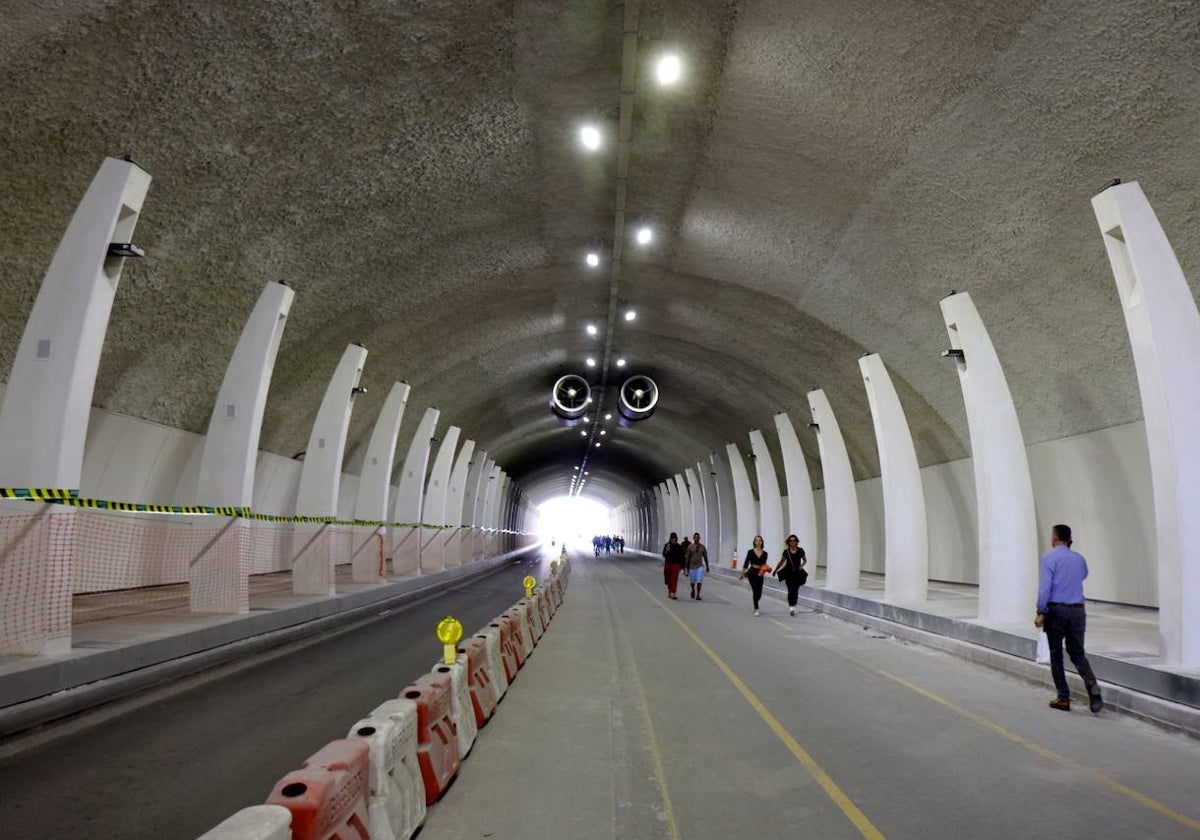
[{"x": 826, "y": 171}]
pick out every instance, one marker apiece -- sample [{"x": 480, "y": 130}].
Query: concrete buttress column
[
  {"x": 455, "y": 499},
  {"x": 743, "y": 498},
  {"x": 433, "y": 514},
  {"x": 711, "y": 535},
  {"x": 1008, "y": 545},
  {"x": 727, "y": 509},
  {"x": 480, "y": 529},
  {"x": 664, "y": 503},
  {"x": 406, "y": 541},
  {"x": 802, "y": 509},
  {"x": 696, "y": 494},
  {"x": 321, "y": 475},
  {"x": 375, "y": 485},
  {"x": 769, "y": 503},
  {"x": 843, "y": 557},
  {"x": 219, "y": 581},
  {"x": 44, "y": 417},
  {"x": 906, "y": 535},
  {"x": 476, "y": 475},
  {"x": 1164, "y": 333},
  {"x": 490, "y": 499}
]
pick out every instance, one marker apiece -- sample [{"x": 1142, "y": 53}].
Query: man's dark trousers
[{"x": 1064, "y": 623}]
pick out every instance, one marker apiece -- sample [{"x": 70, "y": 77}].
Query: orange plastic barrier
[
  {"x": 328, "y": 798},
  {"x": 522, "y": 633},
  {"x": 532, "y": 617},
  {"x": 508, "y": 649},
  {"x": 483, "y": 692},
  {"x": 545, "y": 604},
  {"x": 437, "y": 743}
]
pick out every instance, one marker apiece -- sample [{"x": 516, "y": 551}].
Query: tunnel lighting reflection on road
[
  {"x": 668, "y": 69},
  {"x": 593, "y": 259},
  {"x": 630, "y": 314},
  {"x": 590, "y": 362},
  {"x": 591, "y": 329},
  {"x": 589, "y": 136},
  {"x": 644, "y": 235}
]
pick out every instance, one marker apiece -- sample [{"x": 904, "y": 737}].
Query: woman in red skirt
[{"x": 672, "y": 563}]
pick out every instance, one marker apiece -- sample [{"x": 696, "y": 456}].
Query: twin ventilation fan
[{"x": 636, "y": 398}]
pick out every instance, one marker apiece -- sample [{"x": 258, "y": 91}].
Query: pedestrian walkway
[
  {"x": 133, "y": 638},
  {"x": 647, "y": 718}
]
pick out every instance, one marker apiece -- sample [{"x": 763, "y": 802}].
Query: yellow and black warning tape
[
  {"x": 37, "y": 494},
  {"x": 70, "y": 498}
]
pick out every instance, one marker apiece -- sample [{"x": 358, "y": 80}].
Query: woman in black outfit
[
  {"x": 672, "y": 564},
  {"x": 755, "y": 566},
  {"x": 791, "y": 570}
]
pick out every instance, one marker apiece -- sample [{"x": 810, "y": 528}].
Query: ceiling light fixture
[
  {"x": 590, "y": 362},
  {"x": 644, "y": 235},
  {"x": 589, "y": 136},
  {"x": 630, "y": 314},
  {"x": 593, "y": 259},
  {"x": 668, "y": 69},
  {"x": 607, "y": 416},
  {"x": 591, "y": 329},
  {"x": 620, "y": 363}
]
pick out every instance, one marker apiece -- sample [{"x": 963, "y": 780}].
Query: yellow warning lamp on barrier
[
  {"x": 449, "y": 631},
  {"x": 529, "y": 582}
]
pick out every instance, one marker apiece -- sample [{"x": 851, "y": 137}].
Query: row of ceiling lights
[{"x": 667, "y": 71}]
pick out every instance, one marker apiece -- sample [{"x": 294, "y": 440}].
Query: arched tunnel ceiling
[{"x": 825, "y": 172}]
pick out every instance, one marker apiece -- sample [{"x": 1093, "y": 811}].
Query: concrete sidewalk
[
  {"x": 639, "y": 717},
  {"x": 1122, "y": 641}
]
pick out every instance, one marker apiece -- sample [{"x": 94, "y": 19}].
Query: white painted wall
[{"x": 1098, "y": 483}]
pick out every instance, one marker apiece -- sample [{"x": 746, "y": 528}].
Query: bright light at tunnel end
[{"x": 573, "y": 521}]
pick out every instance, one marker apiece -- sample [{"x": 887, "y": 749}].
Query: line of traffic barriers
[{"x": 378, "y": 782}]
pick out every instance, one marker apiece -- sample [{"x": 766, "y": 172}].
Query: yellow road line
[
  {"x": 660, "y": 774},
  {"x": 1099, "y": 778},
  {"x": 857, "y": 817}
]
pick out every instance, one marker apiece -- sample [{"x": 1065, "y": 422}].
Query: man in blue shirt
[{"x": 1061, "y": 614}]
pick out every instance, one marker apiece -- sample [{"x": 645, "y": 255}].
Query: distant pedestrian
[
  {"x": 791, "y": 571},
  {"x": 672, "y": 564},
  {"x": 755, "y": 567},
  {"x": 1060, "y": 612},
  {"x": 697, "y": 564}
]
